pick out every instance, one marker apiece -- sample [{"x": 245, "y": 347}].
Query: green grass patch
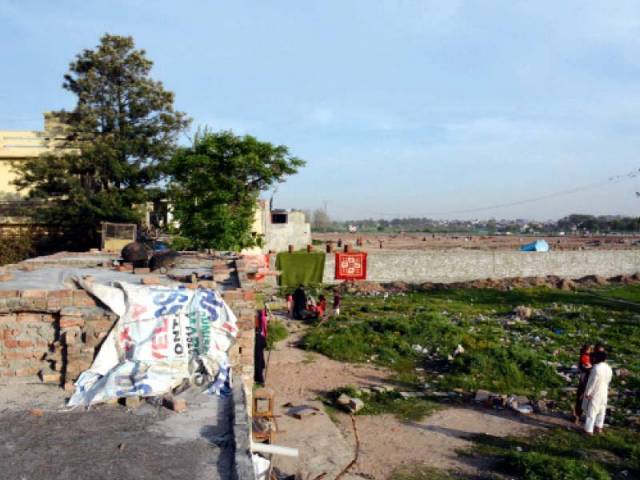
[
  {"x": 308, "y": 358},
  {"x": 564, "y": 455},
  {"x": 377, "y": 403},
  {"x": 500, "y": 354},
  {"x": 277, "y": 332},
  {"x": 421, "y": 472}
]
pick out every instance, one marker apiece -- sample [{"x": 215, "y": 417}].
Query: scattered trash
[
  {"x": 522, "y": 312},
  {"x": 537, "y": 246},
  {"x": 260, "y": 466},
  {"x": 525, "y": 409},
  {"x": 482, "y": 395},
  {"x": 411, "y": 394},
  {"x": 178, "y": 405},
  {"x": 355, "y": 404},
  {"x": 302, "y": 411},
  {"x": 622, "y": 372},
  {"x": 420, "y": 349}
]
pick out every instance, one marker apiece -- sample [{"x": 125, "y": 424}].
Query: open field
[
  {"x": 518, "y": 342},
  {"x": 427, "y": 241}
]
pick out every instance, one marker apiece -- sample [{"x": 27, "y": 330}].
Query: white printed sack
[{"x": 163, "y": 335}]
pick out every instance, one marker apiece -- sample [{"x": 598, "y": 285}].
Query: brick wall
[
  {"x": 55, "y": 334},
  {"x": 241, "y": 355},
  {"x": 243, "y": 303}
]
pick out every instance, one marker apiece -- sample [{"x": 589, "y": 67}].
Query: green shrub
[
  {"x": 276, "y": 332},
  {"x": 16, "y": 246},
  {"x": 181, "y": 243}
]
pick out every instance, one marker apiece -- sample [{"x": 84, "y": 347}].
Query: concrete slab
[
  {"x": 110, "y": 442},
  {"x": 58, "y": 278}
]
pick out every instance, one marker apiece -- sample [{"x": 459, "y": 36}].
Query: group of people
[
  {"x": 304, "y": 307},
  {"x": 593, "y": 388}
]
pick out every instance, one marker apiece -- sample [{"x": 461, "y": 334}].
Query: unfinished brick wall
[
  {"x": 52, "y": 333},
  {"x": 241, "y": 355},
  {"x": 243, "y": 303}
]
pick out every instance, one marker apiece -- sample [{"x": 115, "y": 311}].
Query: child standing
[
  {"x": 336, "y": 304},
  {"x": 584, "y": 365}
]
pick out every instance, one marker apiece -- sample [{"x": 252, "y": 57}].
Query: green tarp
[{"x": 300, "y": 268}]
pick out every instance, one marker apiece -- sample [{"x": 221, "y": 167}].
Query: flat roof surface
[{"x": 113, "y": 442}]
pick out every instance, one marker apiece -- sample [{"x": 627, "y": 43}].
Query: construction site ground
[
  {"x": 428, "y": 241},
  {"x": 326, "y": 440},
  {"x": 40, "y": 439}
]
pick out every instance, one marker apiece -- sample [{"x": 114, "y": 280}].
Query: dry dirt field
[{"x": 427, "y": 241}]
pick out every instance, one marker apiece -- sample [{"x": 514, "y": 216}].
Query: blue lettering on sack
[{"x": 210, "y": 303}]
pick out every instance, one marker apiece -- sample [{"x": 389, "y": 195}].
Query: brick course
[{"x": 54, "y": 333}]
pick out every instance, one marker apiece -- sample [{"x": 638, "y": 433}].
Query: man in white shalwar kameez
[{"x": 596, "y": 393}]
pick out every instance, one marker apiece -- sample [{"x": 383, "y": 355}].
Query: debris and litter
[
  {"x": 537, "y": 246},
  {"x": 261, "y": 467},
  {"x": 355, "y": 405},
  {"x": 302, "y": 411}
]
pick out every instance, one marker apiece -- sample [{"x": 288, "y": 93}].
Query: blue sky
[{"x": 403, "y": 107}]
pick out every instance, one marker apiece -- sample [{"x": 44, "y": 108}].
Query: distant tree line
[{"x": 575, "y": 223}]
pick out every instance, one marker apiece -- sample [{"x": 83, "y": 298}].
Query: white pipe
[{"x": 274, "y": 449}]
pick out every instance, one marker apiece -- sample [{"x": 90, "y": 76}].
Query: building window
[{"x": 278, "y": 218}]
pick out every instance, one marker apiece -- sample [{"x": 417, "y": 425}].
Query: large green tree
[
  {"x": 115, "y": 142},
  {"x": 215, "y": 183}
]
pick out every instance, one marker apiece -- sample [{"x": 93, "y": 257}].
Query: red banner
[{"x": 351, "y": 266}]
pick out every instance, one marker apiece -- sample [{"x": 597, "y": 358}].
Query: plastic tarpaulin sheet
[
  {"x": 300, "y": 268},
  {"x": 537, "y": 246},
  {"x": 163, "y": 335}
]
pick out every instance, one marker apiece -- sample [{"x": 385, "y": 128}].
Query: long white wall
[{"x": 445, "y": 266}]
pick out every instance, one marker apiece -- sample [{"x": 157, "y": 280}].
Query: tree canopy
[
  {"x": 215, "y": 183},
  {"x": 114, "y": 143}
]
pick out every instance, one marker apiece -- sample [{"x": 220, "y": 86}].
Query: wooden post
[{"x": 291, "y": 248}]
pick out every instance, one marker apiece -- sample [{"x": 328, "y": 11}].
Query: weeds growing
[
  {"x": 417, "y": 336},
  {"x": 376, "y": 403},
  {"x": 277, "y": 332},
  {"x": 564, "y": 455}
]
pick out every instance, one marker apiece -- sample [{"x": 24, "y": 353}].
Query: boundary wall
[{"x": 447, "y": 266}]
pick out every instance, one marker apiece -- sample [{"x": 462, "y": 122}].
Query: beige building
[
  {"x": 279, "y": 229},
  {"x": 21, "y": 145}
]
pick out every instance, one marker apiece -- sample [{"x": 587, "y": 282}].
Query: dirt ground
[
  {"x": 425, "y": 241},
  {"x": 298, "y": 377}
]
